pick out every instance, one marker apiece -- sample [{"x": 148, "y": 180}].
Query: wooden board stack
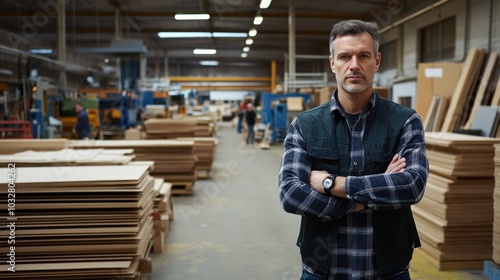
[
  {"x": 80, "y": 222},
  {"x": 169, "y": 128},
  {"x": 174, "y": 161},
  {"x": 163, "y": 212},
  {"x": 69, "y": 157},
  {"x": 496, "y": 208},
  {"x": 455, "y": 216},
  {"x": 204, "y": 149},
  {"x": 10, "y": 146}
]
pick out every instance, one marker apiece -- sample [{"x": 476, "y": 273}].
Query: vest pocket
[
  {"x": 324, "y": 158},
  {"x": 380, "y": 160}
]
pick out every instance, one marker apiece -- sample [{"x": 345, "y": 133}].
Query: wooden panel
[
  {"x": 463, "y": 89},
  {"x": 491, "y": 64},
  {"x": 435, "y": 79}
]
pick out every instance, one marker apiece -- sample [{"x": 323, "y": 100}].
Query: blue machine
[
  {"x": 277, "y": 116},
  {"x": 37, "y": 123}
]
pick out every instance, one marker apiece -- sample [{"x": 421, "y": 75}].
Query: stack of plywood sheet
[
  {"x": 163, "y": 212},
  {"x": 79, "y": 222},
  {"x": 69, "y": 157},
  {"x": 455, "y": 216},
  {"x": 174, "y": 160},
  {"x": 496, "y": 208},
  {"x": 10, "y": 146},
  {"x": 169, "y": 128},
  {"x": 205, "y": 125},
  {"x": 204, "y": 149}
]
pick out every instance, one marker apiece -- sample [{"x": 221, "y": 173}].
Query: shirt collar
[{"x": 335, "y": 105}]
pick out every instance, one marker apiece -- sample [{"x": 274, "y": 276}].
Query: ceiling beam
[{"x": 227, "y": 14}]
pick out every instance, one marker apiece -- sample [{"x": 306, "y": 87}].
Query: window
[
  {"x": 437, "y": 41},
  {"x": 389, "y": 53}
]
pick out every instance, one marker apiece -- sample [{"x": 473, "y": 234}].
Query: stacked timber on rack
[
  {"x": 174, "y": 161},
  {"x": 163, "y": 212},
  {"x": 204, "y": 149},
  {"x": 455, "y": 216},
  {"x": 83, "y": 222},
  {"x": 10, "y": 146}
]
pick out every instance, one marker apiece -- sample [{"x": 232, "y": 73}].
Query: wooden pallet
[
  {"x": 182, "y": 188},
  {"x": 202, "y": 174}
]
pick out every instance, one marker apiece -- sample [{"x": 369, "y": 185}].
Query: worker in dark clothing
[
  {"x": 82, "y": 126},
  {"x": 250, "y": 117}
]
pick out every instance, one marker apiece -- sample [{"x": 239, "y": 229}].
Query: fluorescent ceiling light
[
  {"x": 209, "y": 63},
  {"x": 264, "y": 4},
  {"x": 41, "y": 51},
  {"x": 246, "y": 49},
  {"x": 258, "y": 20},
  {"x": 204, "y": 51},
  {"x": 229, "y": 34},
  {"x": 192, "y": 16},
  {"x": 252, "y": 32},
  {"x": 249, "y": 41},
  {"x": 202, "y": 34},
  {"x": 184, "y": 34},
  {"x": 244, "y": 54}
]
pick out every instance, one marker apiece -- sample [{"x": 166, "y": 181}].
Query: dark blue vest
[{"x": 328, "y": 143}]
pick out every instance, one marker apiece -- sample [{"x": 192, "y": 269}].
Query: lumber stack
[
  {"x": 82, "y": 222},
  {"x": 204, "y": 126},
  {"x": 169, "y": 128},
  {"x": 204, "y": 149},
  {"x": 10, "y": 146},
  {"x": 163, "y": 212},
  {"x": 69, "y": 157},
  {"x": 496, "y": 207},
  {"x": 174, "y": 161},
  {"x": 455, "y": 216}
]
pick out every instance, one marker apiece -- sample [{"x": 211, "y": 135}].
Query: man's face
[
  {"x": 78, "y": 108},
  {"x": 354, "y": 62}
]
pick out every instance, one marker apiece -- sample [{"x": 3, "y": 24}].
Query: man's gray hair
[{"x": 354, "y": 27}]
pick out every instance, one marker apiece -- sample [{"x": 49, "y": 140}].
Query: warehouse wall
[{"x": 472, "y": 31}]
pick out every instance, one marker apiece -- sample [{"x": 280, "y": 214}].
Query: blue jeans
[
  {"x": 405, "y": 275},
  {"x": 251, "y": 135}
]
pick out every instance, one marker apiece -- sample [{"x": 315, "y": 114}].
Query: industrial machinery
[{"x": 275, "y": 113}]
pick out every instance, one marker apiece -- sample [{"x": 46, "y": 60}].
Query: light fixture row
[{"x": 264, "y": 4}]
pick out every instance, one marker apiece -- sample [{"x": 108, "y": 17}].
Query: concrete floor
[{"x": 233, "y": 226}]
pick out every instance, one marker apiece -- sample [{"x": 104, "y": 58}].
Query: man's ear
[
  {"x": 378, "y": 59},
  {"x": 331, "y": 64}
]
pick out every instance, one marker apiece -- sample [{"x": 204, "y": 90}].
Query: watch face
[{"x": 327, "y": 182}]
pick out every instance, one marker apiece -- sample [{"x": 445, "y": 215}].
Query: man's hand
[
  {"x": 316, "y": 180},
  {"x": 397, "y": 164}
]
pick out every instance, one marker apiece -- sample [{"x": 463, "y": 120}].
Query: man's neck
[{"x": 354, "y": 103}]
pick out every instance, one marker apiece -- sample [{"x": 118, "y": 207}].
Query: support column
[
  {"x": 273, "y": 75},
  {"x": 118, "y": 36},
  {"x": 291, "y": 42},
  {"x": 61, "y": 53},
  {"x": 165, "y": 65},
  {"x": 142, "y": 65}
]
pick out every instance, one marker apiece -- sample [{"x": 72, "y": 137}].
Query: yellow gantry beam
[{"x": 218, "y": 79}]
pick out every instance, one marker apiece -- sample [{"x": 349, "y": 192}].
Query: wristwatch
[{"x": 328, "y": 183}]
